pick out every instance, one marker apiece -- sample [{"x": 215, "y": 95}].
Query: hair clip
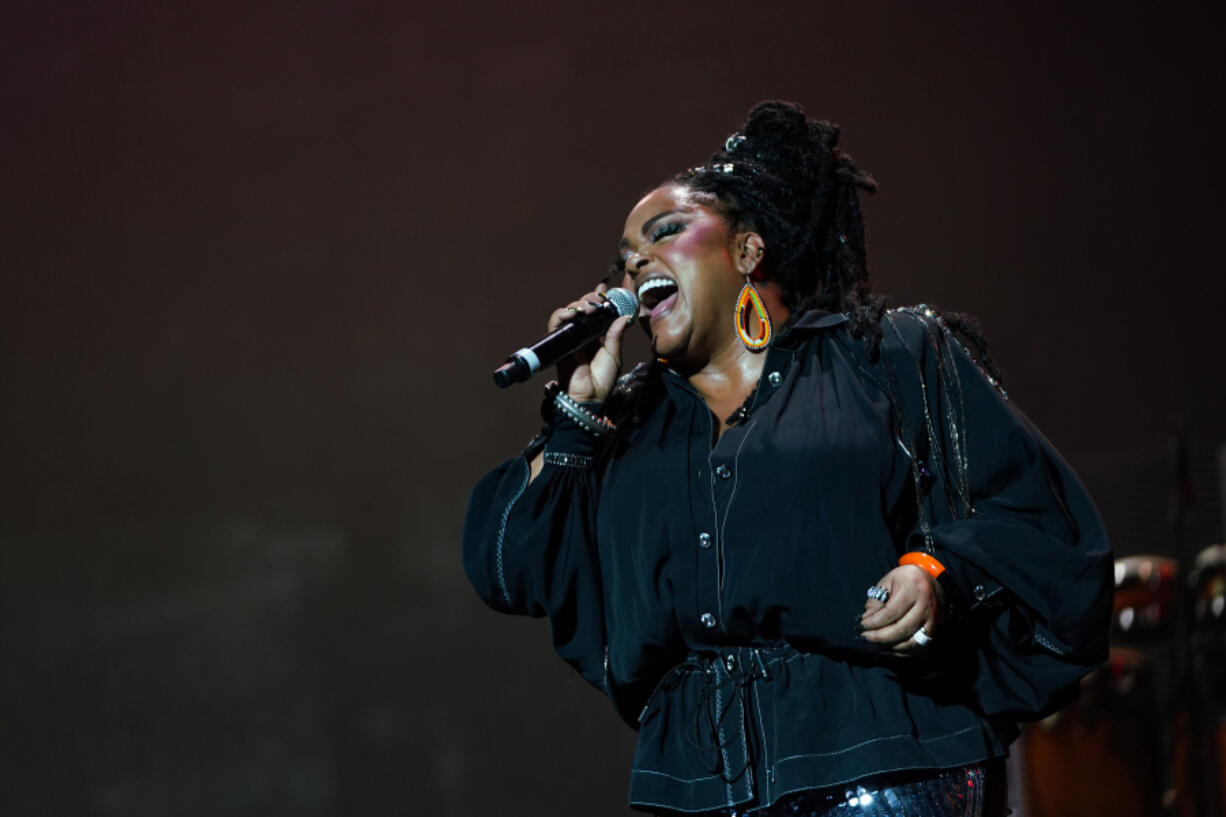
[{"x": 725, "y": 167}]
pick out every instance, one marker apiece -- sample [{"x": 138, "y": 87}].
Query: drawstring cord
[{"x": 719, "y": 692}]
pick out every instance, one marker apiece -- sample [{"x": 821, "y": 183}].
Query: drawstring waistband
[{"x": 726, "y": 685}]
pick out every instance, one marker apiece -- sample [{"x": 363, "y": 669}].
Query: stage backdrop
[{"x": 260, "y": 258}]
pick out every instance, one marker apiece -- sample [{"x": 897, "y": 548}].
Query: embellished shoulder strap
[
  {"x": 941, "y": 403},
  {"x": 929, "y": 409}
]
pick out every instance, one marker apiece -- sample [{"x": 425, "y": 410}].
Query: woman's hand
[
  {"x": 590, "y": 374},
  {"x": 914, "y": 602}
]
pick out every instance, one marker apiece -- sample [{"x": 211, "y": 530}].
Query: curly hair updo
[{"x": 783, "y": 176}]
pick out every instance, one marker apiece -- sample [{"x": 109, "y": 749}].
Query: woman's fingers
[
  {"x": 901, "y": 628},
  {"x": 568, "y": 312},
  {"x": 613, "y": 338},
  {"x": 585, "y": 303},
  {"x": 606, "y": 363},
  {"x": 911, "y": 604},
  {"x": 591, "y": 373}
]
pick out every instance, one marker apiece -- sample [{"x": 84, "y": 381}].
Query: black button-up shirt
[{"x": 711, "y": 587}]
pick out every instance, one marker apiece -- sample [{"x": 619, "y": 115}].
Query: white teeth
[{"x": 655, "y": 283}]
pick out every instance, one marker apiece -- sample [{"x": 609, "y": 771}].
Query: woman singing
[{"x": 811, "y": 552}]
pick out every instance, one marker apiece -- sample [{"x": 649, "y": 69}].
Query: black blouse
[{"x": 711, "y": 589}]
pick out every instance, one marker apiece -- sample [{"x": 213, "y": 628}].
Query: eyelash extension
[
  {"x": 617, "y": 267},
  {"x": 665, "y": 230}
]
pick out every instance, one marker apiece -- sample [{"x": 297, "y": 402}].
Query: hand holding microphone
[{"x": 586, "y": 374}]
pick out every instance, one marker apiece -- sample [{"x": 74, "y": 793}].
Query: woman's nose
[{"x": 635, "y": 264}]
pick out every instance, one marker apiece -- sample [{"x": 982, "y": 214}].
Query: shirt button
[
  {"x": 774, "y": 378},
  {"x": 707, "y": 620},
  {"x": 980, "y": 593},
  {"x": 730, "y": 662},
  {"x": 723, "y": 472},
  {"x": 704, "y": 540}
]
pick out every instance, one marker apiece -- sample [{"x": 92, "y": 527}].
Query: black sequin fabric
[{"x": 950, "y": 793}]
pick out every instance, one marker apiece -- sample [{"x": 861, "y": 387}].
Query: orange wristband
[{"x": 924, "y": 561}]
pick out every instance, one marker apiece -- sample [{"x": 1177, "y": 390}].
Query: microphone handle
[{"x": 567, "y": 339}]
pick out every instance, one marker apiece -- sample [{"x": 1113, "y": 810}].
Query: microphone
[{"x": 567, "y": 339}]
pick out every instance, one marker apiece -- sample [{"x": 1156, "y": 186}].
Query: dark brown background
[{"x": 260, "y": 258}]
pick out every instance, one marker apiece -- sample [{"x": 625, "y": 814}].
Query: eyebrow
[{"x": 647, "y": 225}]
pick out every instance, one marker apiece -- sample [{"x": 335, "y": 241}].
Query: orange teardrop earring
[{"x": 749, "y": 295}]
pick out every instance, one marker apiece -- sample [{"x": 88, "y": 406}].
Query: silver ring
[
  {"x": 879, "y": 593},
  {"x": 921, "y": 637}
]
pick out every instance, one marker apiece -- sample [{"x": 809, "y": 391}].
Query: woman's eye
[{"x": 665, "y": 230}]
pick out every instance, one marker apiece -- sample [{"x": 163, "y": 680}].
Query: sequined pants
[{"x": 972, "y": 791}]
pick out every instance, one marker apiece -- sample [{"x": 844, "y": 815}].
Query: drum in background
[
  {"x": 1145, "y": 593},
  {"x": 1207, "y": 584},
  {"x": 1096, "y": 756},
  {"x": 1104, "y": 754}
]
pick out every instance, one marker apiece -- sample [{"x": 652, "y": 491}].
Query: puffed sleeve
[
  {"x": 1028, "y": 549},
  {"x": 530, "y": 546}
]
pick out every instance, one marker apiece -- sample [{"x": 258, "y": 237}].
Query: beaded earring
[{"x": 749, "y": 295}]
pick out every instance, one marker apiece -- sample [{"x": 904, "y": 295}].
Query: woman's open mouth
[{"x": 657, "y": 296}]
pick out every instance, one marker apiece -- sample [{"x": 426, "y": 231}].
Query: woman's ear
[{"x": 752, "y": 248}]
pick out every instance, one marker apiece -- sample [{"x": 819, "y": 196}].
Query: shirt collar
[{"x": 814, "y": 320}]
